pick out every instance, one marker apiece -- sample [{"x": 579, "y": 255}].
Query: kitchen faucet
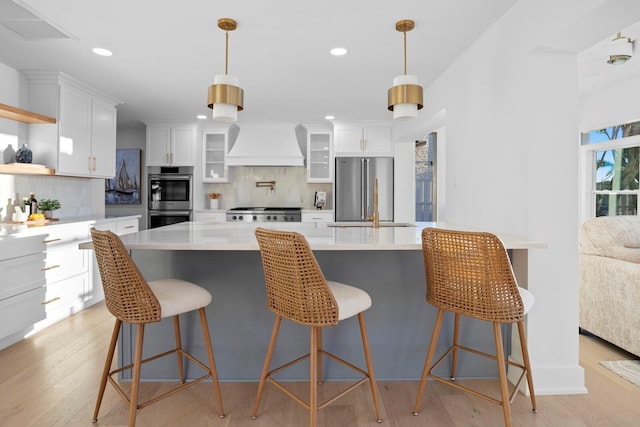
[{"x": 375, "y": 217}]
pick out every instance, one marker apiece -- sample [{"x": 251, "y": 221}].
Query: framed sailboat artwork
[{"x": 124, "y": 188}]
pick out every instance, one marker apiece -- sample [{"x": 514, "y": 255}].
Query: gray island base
[{"x": 224, "y": 258}]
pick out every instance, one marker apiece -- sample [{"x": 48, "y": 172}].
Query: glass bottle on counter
[
  {"x": 33, "y": 203},
  {"x": 26, "y": 205}
]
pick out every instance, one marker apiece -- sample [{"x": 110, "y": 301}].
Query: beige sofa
[{"x": 610, "y": 280}]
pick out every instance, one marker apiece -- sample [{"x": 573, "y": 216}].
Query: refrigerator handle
[{"x": 365, "y": 188}]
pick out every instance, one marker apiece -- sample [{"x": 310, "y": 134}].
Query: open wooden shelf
[
  {"x": 14, "y": 113},
  {"x": 25, "y": 169}
]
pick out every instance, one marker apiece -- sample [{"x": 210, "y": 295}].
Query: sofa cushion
[{"x": 611, "y": 236}]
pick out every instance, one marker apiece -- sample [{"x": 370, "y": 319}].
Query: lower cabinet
[
  {"x": 210, "y": 216},
  {"x": 66, "y": 272},
  {"x": 22, "y": 262},
  {"x": 317, "y": 216}
]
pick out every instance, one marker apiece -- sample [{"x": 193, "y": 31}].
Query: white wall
[{"x": 611, "y": 105}]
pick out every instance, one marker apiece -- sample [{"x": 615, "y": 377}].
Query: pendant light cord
[
  {"x": 226, "y": 52},
  {"x": 405, "y": 52}
]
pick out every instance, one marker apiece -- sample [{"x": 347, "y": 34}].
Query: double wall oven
[{"x": 170, "y": 195}]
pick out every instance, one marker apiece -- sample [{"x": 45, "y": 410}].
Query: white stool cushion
[
  {"x": 351, "y": 301},
  {"x": 527, "y": 299},
  {"x": 179, "y": 296}
]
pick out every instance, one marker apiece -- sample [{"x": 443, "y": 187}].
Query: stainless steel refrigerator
[{"x": 355, "y": 177}]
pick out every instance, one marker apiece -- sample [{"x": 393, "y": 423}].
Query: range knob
[
  {"x": 255, "y": 217},
  {"x": 233, "y": 218},
  {"x": 240, "y": 217},
  {"x": 275, "y": 218}
]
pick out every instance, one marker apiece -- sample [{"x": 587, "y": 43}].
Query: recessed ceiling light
[
  {"x": 329, "y": 117},
  {"x": 201, "y": 117},
  {"x": 339, "y": 51},
  {"x": 102, "y": 52}
]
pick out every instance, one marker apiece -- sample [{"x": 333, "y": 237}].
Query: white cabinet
[
  {"x": 319, "y": 154},
  {"x": 317, "y": 216},
  {"x": 83, "y": 140},
  {"x": 66, "y": 272},
  {"x": 171, "y": 145},
  {"x": 22, "y": 292},
  {"x": 210, "y": 216},
  {"x": 359, "y": 139},
  {"x": 215, "y": 146}
]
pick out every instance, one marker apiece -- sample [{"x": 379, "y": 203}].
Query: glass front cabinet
[
  {"x": 214, "y": 156},
  {"x": 319, "y": 154}
]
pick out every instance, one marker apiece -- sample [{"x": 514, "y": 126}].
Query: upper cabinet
[
  {"x": 215, "y": 146},
  {"x": 171, "y": 144},
  {"x": 319, "y": 156},
  {"x": 356, "y": 139},
  {"x": 83, "y": 141}
]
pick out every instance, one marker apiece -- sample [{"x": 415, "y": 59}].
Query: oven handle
[
  {"x": 169, "y": 213},
  {"x": 170, "y": 177}
]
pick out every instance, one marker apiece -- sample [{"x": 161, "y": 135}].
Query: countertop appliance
[
  {"x": 170, "y": 195},
  {"x": 354, "y": 181},
  {"x": 257, "y": 214}
]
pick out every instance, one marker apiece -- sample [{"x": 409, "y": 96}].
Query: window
[
  {"x": 612, "y": 159},
  {"x": 426, "y": 178}
]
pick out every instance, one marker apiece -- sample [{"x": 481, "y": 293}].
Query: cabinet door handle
[
  {"x": 50, "y": 301},
  {"x": 94, "y": 163},
  {"x": 51, "y": 267},
  {"x": 166, "y": 158},
  {"x": 89, "y": 163},
  {"x": 53, "y": 240}
]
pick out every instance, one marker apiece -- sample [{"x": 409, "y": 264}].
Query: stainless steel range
[{"x": 264, "y": 215}]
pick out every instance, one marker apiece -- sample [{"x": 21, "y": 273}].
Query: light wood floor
[{"x": 51, "y": 379}]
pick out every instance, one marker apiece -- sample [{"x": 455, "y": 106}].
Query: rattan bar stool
[
  {"x": 469, "y": 274},
  {"x": 298, "y": 291},
  {"x": 131, "y": 299}
]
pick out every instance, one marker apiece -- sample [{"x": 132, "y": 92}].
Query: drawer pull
[
  {"x": 53, "y": 240},
  {"x": 130, "y": 226},
  {"x": 50, "y": 301},
  {"x": 51, "y": 267}
]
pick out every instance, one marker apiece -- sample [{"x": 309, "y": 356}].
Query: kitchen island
[{"x": 386, "y": 262}]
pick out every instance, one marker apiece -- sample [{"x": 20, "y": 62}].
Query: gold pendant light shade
[
  {"x": 405, "y": 97},
  {"x": 226, "y": 97}
]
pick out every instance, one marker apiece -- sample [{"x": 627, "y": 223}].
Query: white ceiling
[{"x": 166, "y": 53}]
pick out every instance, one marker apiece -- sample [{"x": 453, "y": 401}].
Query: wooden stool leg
[
  {"x": 319, "y": 358},
  {"x": 135, "y": 381},
  {"x": 527, "y": 364},
  {"x": 212, "y": 361},
  {"x": 367, "y": 357},
  {"x": 504, "y": 391},
  {"x": 176, "y": 331},
  {"x": 313, "y": 377},
  {"x": 267, "y": 363},
  {"x": 427, "y": 362},
  {"x": 456, "y": 341},
  {"x": 107, "y": 367}
]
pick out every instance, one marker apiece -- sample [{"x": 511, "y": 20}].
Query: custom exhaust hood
[{"x": 267, "y": 144}]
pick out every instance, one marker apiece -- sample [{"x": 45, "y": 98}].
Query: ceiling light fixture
[
  {"x": 225, "y": 95},
  {"x": 102, "y": 52},
  {"x": 405, "y": 97},
  {"x": 338, "y": 51},
  {"x": 620, "y": 50}
]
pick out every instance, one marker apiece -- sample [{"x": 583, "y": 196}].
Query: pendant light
[
  {"x": 225, "y": 95},
  {"x": 620, "y": 50},
  {"x": 405, "y": 97}
]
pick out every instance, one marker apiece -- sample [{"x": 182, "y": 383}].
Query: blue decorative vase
[{"x": 24, "y": 154}]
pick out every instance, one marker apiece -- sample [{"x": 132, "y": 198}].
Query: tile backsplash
[
  {"x": 291, "y": 188},
  {"x": 74, "y": 193}
]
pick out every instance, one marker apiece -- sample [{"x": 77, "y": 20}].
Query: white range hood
[{"x": 267, "y": 144}]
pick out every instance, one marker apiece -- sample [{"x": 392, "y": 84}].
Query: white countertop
[
  {"x": 16, "y": 230},
  {"x": 321, "y": 236}
]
